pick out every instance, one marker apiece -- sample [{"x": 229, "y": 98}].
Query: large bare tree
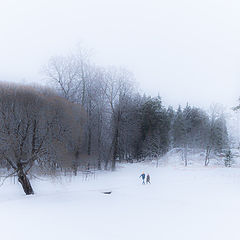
[{"x": 35, "y": 129}]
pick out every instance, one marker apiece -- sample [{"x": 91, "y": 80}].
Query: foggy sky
[{"x": 185, "y": 50}]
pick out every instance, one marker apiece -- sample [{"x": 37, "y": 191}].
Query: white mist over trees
[
  {"x": 124, "y": 125},
  {"x": 93, "y": 118}
]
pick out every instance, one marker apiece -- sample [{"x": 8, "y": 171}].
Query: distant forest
[{"x": 93, "y": 117}]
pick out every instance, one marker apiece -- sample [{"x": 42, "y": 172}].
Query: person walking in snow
[
  {"x": 143, "y": 177},
  {"x": 148, "y": 179}
]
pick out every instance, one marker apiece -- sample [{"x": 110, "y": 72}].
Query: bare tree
[
  {"x": 35, "y": 128},
  {"x": 213, "y": 139},
  {"x": 74, "y": 78},
  {"x": 69, "y": 75},
  {"x": 118, "y": 87}
]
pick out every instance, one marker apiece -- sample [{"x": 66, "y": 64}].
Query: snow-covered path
[{"x": 181, "y": 203}]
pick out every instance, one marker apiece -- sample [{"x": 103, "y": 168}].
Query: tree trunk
[
  {"x": 106, "y": 164},
  {"x": 184, "y": 154},
  {"x": 115, "y": 149},
  {"x": 99, "y": 167},
  {"x": 89, "y": 141},
  {"x": 89, "y": 128},
  {"x": 208, "y": 151},
  {"x": 23, "y": 179},
  {"x": 115, "y": 142},
  {"x": 75, "y": 163}
]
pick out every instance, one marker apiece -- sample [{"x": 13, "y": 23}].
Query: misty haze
[{"x": 119, "y": 120}]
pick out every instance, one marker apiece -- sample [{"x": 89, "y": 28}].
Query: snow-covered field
[{"x": 181, "y": 203}]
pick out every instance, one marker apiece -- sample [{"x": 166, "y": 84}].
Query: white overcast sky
[{"x": 185, "y": 50}]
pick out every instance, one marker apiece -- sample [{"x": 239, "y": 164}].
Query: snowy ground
[{"x": 181, "y": 203}]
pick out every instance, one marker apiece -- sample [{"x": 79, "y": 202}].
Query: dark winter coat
[
  {"x": 143, "y": 176},
  {"x": 148, "y": 178}
]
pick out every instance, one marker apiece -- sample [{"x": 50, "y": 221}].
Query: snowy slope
[{"x": 182, "y": 203}]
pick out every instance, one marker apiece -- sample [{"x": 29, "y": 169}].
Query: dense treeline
[
  {"x": 93, "y": 118},
  {"x": 122, "y": 124}
]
